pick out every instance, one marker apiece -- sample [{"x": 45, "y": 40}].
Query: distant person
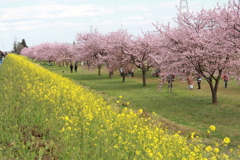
[
  {"x": 71, "y": 68},
  {"x": 199, "y": 79},
  {"x": 157, "y": 73},
  {"x": 121, "y": 70},
  {"x": 132, "y": 72},
  {"x": 190, "y": 82},
  {"x": 129, "y": 73},
  {"x": 170, "y": 79},
  {"x": 225, "y": 79},
  {"x": 75, "y": 66}
]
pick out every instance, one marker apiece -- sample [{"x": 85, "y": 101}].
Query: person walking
[
  {"x": 71, "y": 68},
  {"x": 190, "y": 81},
  {"x": 170, "y": 78},
  {"x": 121, "y": 70},
  {"x": 75, "y": 66},
  {"x": 199, "y": 79},
  {"x": 225, "y": 79}
]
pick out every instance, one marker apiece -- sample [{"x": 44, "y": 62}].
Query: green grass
[{"x": 183, "y": 109}]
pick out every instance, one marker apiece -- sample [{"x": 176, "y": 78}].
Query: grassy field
[
  {"x": 48, "y": 116},
  {"x": 182, "y": 110}
]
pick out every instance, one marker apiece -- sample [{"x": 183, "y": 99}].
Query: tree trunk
[
  {"x": 110, "y": 74},
  {"x": 144, "y": 77},
  {"x": 214, "y": 90},
  {"x": 214, "y": 98},
  {"x": 170, "y": 86},
  {"x": 123, "y": 76},
  {"x": 99, "y": 70}
]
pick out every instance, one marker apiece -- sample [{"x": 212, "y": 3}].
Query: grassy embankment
[{"x": 47, "y": 116}]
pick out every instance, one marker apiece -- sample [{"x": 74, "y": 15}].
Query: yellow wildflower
[
  {"x": 208, "y": 148},
  {"x": 212, "y": 128},
  {"x": 216, "y": 150},
  {"x": 226, "y": 140},
  {"x": 138, "y": 152}
]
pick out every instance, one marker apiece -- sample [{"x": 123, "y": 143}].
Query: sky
[{"x": 42, "y": 21}]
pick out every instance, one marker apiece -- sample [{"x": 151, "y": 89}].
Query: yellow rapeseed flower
[
  {"x": 192, "y": 135},
  {"x": 63, "y": 129},
  {"x": 226, "y": 140},
  {"x": 208, "y": 148},
  {"x": 150, "y": 154},
  {"x": 216, "y": 150},
  {"x": 140, "y": 111},
  {"x": 212, "y": 128},
  {"x": 138, "y": 152}
]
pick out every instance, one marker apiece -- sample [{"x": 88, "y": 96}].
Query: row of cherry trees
[{"x": 206, "y": 43}]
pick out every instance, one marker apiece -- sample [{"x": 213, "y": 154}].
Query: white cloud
[
  {"x": 138, "y": 7},
  {"x": 133, "y": 18},
  {"x": 3, "y": 27},
  {"x": 67, "y": 1},
  {"x": 26, "y": 25},
  {"x": 149, "y": 7},
  {"x": 167, "y": 5},
  {"x": 39, "y": 25},
  {"x": 84, "y": 10},
  {"x": 10, "y": 0},
  {"x": 137, "y": 23},
  {"x": 53, "y": 11}
]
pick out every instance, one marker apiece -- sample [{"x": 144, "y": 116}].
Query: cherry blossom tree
[
  {"x": 106, "y": 54},
  {"x": 93, "y": 47},
  {"x": 200, "y": 44},
  {"x": 29, "y": 52},
  {"x": 119, "y": 45},
  {"x": 64, "y": 52},
  {"x": 228, "y": 19},
  {"x": 143, "y": 49}
]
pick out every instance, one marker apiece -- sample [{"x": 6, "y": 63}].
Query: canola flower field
[{"x": 47, "y": 116}]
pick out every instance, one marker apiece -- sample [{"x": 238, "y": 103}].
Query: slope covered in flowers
[{"x": 45, "y": 115}]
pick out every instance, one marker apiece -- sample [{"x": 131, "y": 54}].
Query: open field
[{"x": 192, "y": 109}]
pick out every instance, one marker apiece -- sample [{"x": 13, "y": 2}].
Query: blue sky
[{"x": 40, "y": 21}]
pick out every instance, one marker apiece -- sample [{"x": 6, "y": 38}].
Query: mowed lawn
[{"x": 182, "y": 110}]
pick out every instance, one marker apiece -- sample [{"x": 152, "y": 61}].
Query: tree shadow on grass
[{"x": 85, "y": 77}]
